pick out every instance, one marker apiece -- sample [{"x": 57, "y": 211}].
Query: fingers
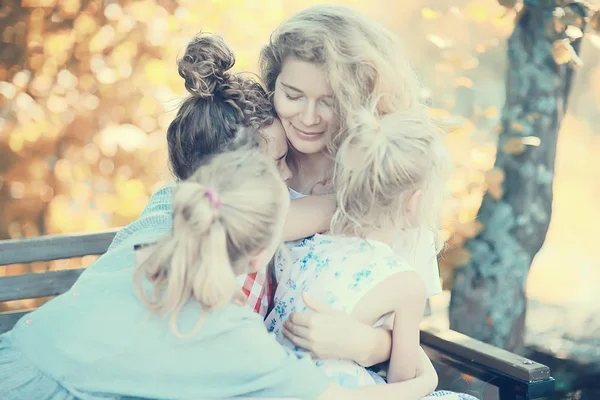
[
  {"x": 297, "y": 330},
  {"x": 315, "y": 305},
  {"x": 301, "y": 319},
  {"x": 297, "y": 341}
]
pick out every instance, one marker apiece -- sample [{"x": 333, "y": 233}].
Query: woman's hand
[{"x": 328, "y": 333}]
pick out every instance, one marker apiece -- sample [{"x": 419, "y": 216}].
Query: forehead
[{"x": 305, "y": 76}]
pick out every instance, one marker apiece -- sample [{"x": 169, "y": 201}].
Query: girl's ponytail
[
  {"x": 225, "y": 213},
  {"x": 214, "y": 283},
  {"x": 193, "y": 261}
]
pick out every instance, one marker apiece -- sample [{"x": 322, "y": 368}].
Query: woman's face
[
  {"x": 304, "y": 102},
  {"x": 276, "y": 147}
]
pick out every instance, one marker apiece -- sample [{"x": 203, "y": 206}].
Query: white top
[{"x": 419, "y": 251}]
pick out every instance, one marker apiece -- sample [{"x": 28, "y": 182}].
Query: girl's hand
[
  {"x": 327, "y": 333},
  {"x": 426, "y": 371}
]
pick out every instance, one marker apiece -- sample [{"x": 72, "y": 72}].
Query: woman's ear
[{"x": 412, "y": 205}]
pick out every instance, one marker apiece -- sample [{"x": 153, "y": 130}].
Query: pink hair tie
[{"x": 214, "y": 198}]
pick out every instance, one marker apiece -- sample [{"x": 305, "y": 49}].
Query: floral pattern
[{"x": 337, "y": 271}]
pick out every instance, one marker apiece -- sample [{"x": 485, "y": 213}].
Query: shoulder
[
  {"x": 160, "y": 200},
  {"x": 157, "y": 215},
  {"x": 408, "y": 287}
]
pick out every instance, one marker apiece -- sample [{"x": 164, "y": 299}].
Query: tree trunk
[{"x": 488, "y": 297}]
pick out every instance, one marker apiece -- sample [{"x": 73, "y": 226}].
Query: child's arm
[
  {"x": 410, "y": 305},
  {"x": 424, "y": 383},
  {"x": 307, "y": 216}
]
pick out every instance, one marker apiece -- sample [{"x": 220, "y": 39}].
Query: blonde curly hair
[{"x": 364, "y": 62}]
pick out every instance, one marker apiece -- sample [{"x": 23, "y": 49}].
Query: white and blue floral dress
[{"x": 335, "y": 270}]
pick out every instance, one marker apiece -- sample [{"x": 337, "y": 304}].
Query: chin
[{"x": 309, "y": 147}]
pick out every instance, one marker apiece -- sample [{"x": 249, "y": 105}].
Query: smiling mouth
[{"x": 300, "y": 131}]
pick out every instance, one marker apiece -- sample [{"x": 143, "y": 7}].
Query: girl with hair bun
[{"x": 219, "y": 103}]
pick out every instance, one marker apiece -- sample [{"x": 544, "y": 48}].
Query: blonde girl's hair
[
  {"x": 364, "y": 62},
  {"x": 381, "y": 165},
  {"x": 226, "y": 212}
]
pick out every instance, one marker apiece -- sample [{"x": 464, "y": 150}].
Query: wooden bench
[{"x": 516, "y": 377}]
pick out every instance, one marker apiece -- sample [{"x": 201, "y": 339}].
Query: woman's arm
[
  {"x": 424, "y": 383},
  {"x": 307, "y": 216}
]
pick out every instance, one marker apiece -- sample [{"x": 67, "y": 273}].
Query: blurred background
[{"x": 88, "y": 88}]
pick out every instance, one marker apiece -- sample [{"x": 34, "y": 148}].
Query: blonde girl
[
  {"x": 388, "y": 177},
  {"x": 177, "y": 332}
]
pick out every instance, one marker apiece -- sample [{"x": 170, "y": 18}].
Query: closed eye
[
  {"x": 327, "y": 103},
  {"x": 292, "y": 97}
]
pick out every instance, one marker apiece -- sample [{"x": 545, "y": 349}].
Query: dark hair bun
[{"x": 205, "y": 64}]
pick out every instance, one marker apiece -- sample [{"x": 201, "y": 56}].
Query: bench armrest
[{"x": 516, "y": 377}]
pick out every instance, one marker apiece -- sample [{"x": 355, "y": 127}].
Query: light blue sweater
[
  {"x": 98, "y": 341},
  {"x": 157, "y": 215}
]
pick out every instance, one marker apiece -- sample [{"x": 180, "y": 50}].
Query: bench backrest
[{"x": 49, "y": 283}]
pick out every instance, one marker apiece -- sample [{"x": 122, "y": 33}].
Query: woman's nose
[{"x": 310, "y": 116}]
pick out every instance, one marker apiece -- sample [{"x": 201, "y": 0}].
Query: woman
[{"x": 322, "y": 66}]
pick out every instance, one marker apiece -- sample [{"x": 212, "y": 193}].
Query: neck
[
  {"x": 385, "y": 235},
  {"x": 310, "y": 170}
]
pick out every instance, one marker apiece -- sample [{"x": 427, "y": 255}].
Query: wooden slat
[
  {"x": 54, "y": 247},
  {"x": 495, "y": 360},
  {"x": 28, "y": 286},
  {"x": 9, "y": 319}
]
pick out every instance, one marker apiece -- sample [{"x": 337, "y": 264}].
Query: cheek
[
  {"x": 328, "y": 116},
  {"x": 284, "y": 107}
]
